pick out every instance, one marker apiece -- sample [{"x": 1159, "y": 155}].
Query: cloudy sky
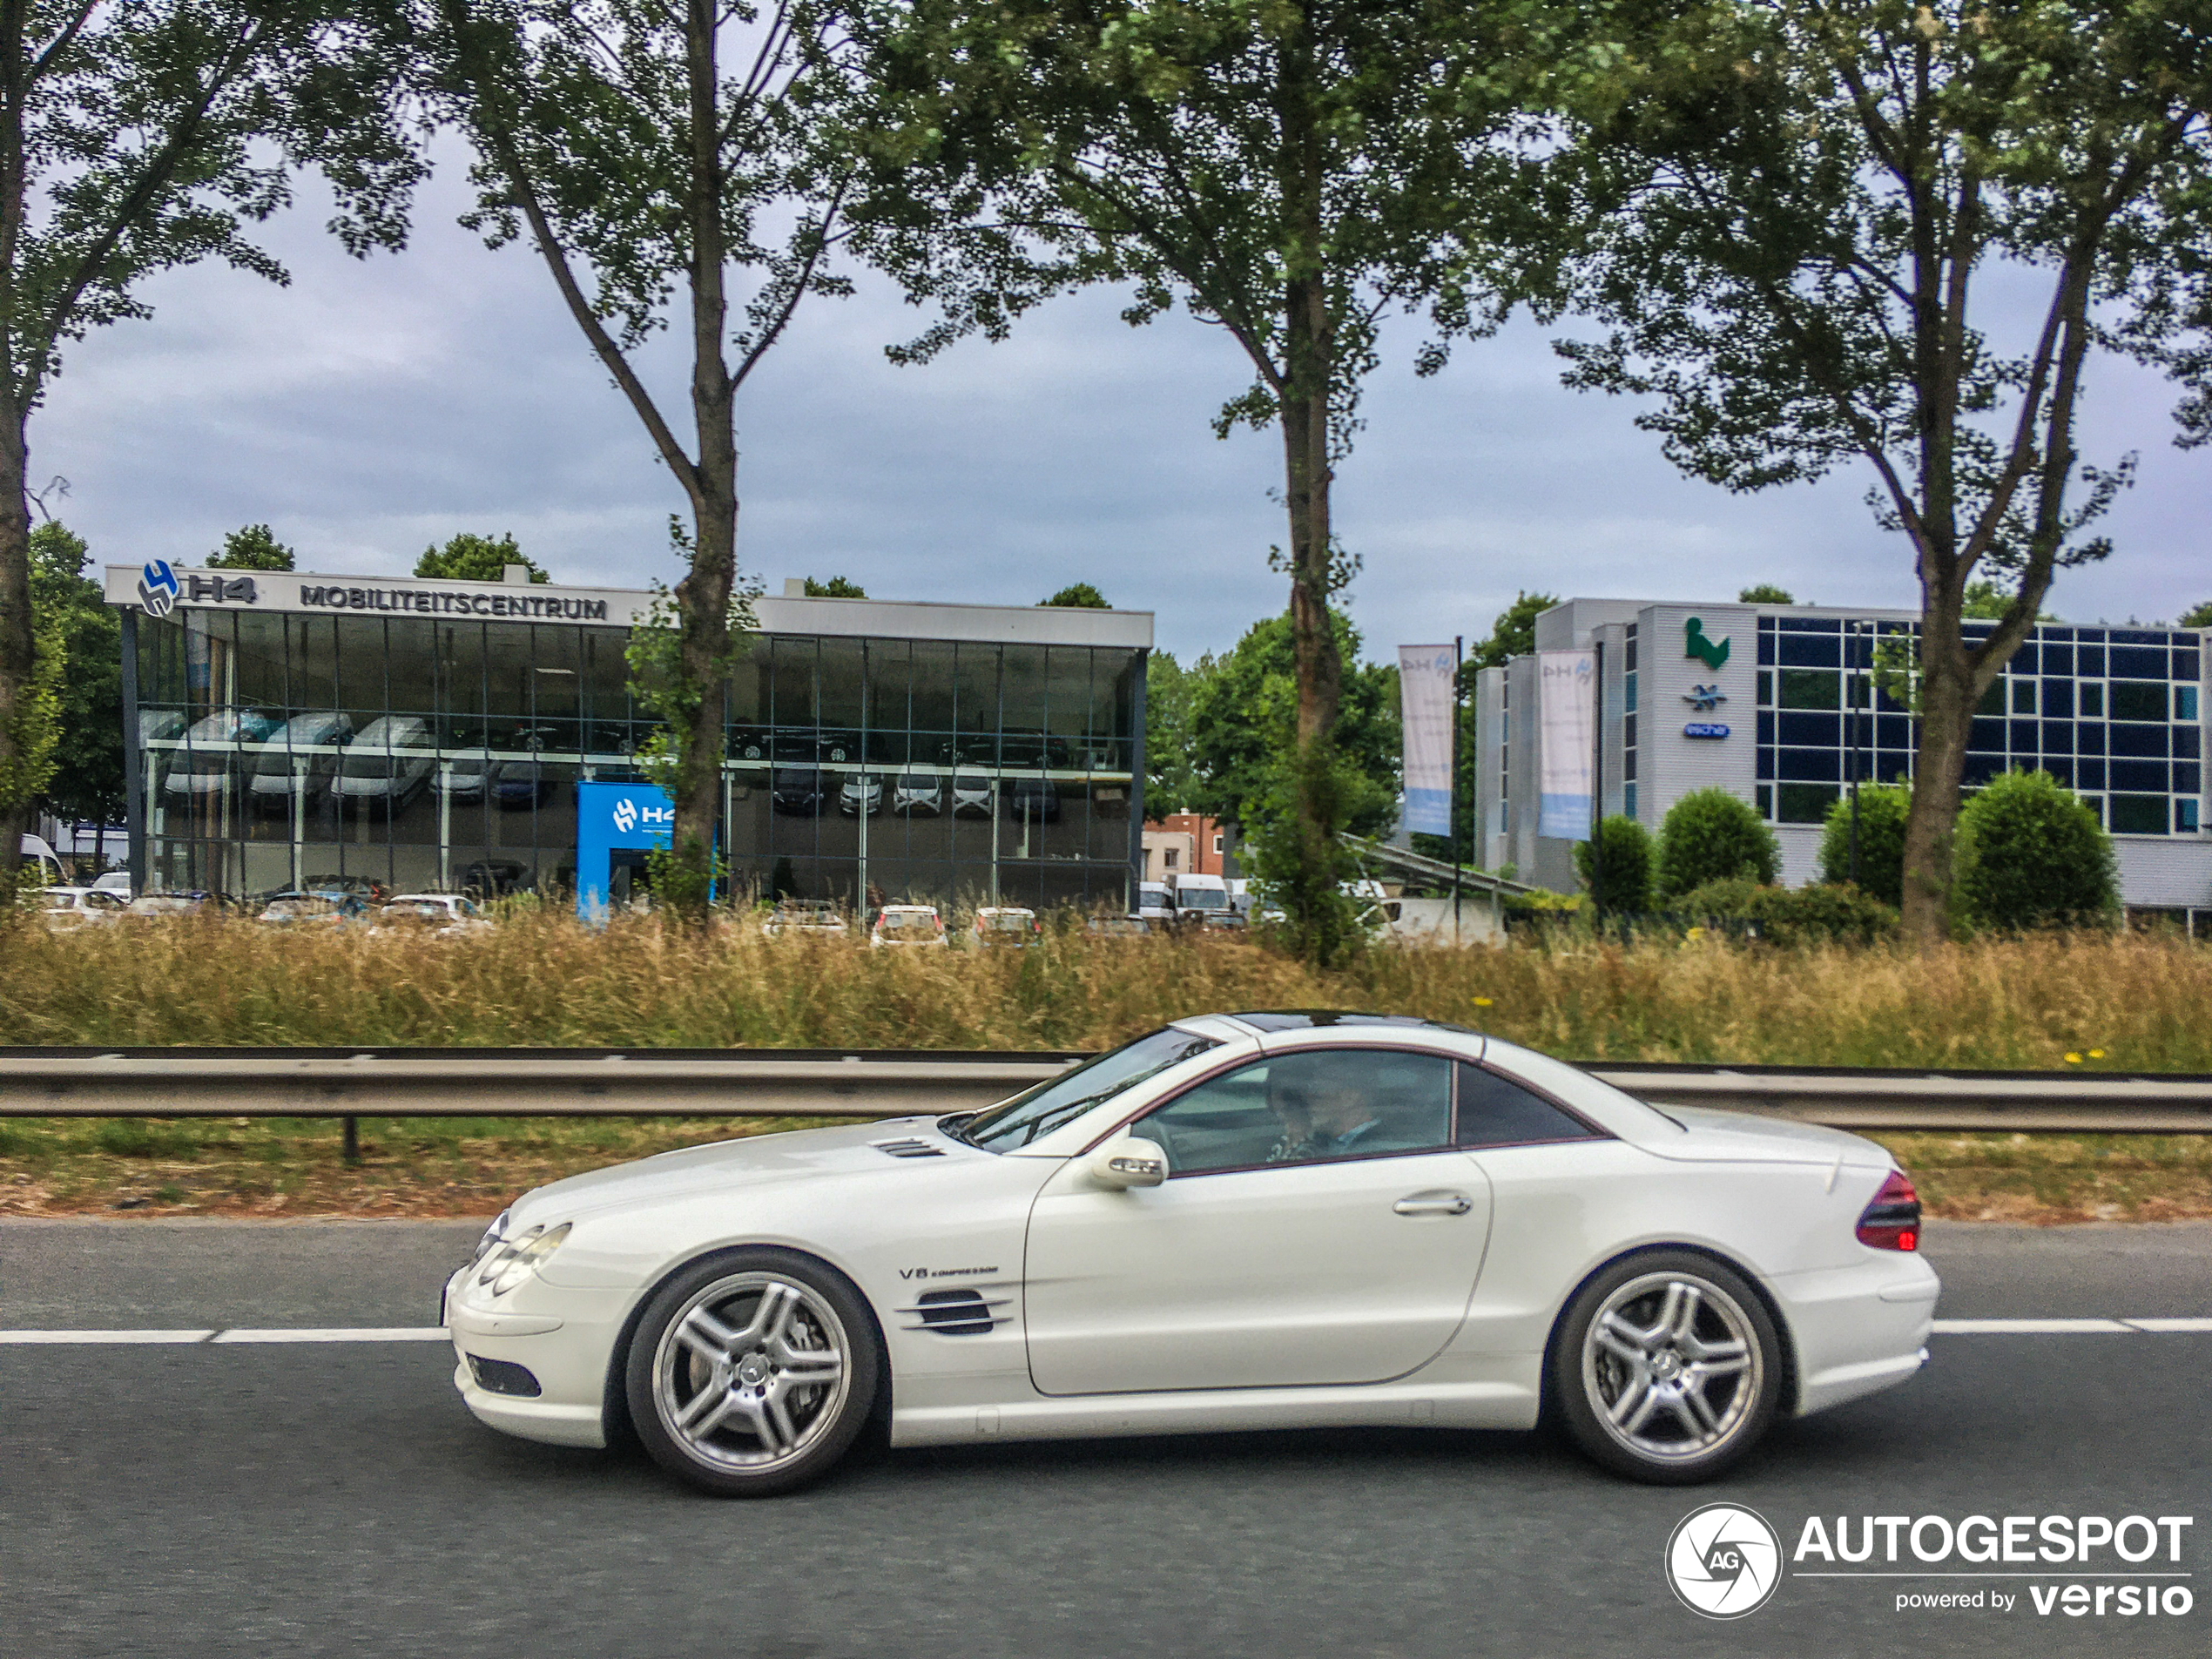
[{"x": 373, "y": 407}]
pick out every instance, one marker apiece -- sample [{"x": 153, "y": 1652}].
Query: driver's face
[{"x": 1337, "y": 1109}]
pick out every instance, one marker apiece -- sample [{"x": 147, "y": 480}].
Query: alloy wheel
[
  {"x": 751, "y": 1372},
  {"x": 1672, "y": 1367}
]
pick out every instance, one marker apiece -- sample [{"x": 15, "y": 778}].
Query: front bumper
[{"x": 563, "y": 1338}]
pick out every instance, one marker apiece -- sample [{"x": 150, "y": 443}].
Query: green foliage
[
  {"x": 1627, "y": 874},
  {"x": 1243, "y": 723},
  {"x": 1791, "y": 916},
  {"x": 1513, "y": 633},
  {"x": 2198, "y": 617},
  {"x": 1302, "y": 871},
  {"x": 1987, "y": 601},
  {"x": 1710, "y": 835},
  {"x": 2031, "y": 856},
  {"x": 1171, "y": 775},
  {"x": 476, "y": 558},
  {"x": 253, "y": 547},
  {"x": 660, "y": 684},
  {"x": 1765, "y": 593},
  {"x": 836, "y": 587},
  {"x": 34, "y": 728},
  {"x": 1882, "y": 809},
  {"x": 1080, "y": 596},
  {"x": 87, "y": 781}
]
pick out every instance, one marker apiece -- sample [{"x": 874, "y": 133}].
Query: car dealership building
[
  {"x": 1782, "y": 705},
  {"x": 297, "y": 729}
]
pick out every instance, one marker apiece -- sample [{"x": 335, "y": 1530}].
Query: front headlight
[
  {"x": 516, "y": 1259},
  {"x": 493, "y": 1235}
]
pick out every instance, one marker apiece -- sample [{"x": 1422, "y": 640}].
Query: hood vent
[
  {"x": 956, "y": 1314},
  {"x": 909, "y": 1148}
]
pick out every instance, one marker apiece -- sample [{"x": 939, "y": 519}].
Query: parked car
[
  {"x": 494, "y": 878},
  {"x": 328, "y": 908},
  {"x": 796, "y": 792},
  {"x": 308, "y": 740},
  {"x": 907, "y": 926},
  {"x": 66, "y": 909},
  {"x": 1034, "y": 798},
  {"x": 972, "y": 794},
  {"x": 115, "y": 881},
  {"x": 187, "y": 902},
  {"x": 804, "y": 916},
  {"x": 861, "y": 787},
  {"x": 1154, "y": 904},
  {"x": 466, "y": 772},
  {"x": 1006, "y": 925},
  {"x": 1117, "y": 927},
  {"x": 386, "y": 765},
  {"x": 445, "y": 916},
  {"x": 1195, "y": 1233},
  {"x": 919, "y": 792},
  {"x": 214, "y": 760}
]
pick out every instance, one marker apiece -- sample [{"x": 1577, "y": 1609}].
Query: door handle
[{"x": 1434, "y": 1203}]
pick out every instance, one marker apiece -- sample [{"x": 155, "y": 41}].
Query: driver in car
[{"x": 1324, "y": 1118}]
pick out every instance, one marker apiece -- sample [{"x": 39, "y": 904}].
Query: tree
[
  {"x": 1170, "y": 777},
  {"x": 254, "y": 547},
  {"x": 650, "y": 166},
  {"x": 1801, "y": 210},
  {"x": 136, "y": 138},
  {"x": 2199, "y": 617},
  {"x": 1080, "y": 596},
  {"x": 836, "y": 587},
  {"x": 2031, "y": 855},
  {"x": 88, "y": 776},
  {"x": 1243, "y": 726},
  {"x": 1710, "y": 835},
  {"x": 1627, "y": 875},
  {"x": 476, "y": 558},
  {"x": 1765, "y": 593},
  {"x": 1881, "y": 812},
  {"x": 1292, "y": 172}
]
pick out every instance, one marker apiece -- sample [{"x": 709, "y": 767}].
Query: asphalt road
[{"x": 338, "y": 1499}]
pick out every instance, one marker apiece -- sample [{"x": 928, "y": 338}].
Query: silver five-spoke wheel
[
  {"x": 1668, "y": 1367},
  {"x": 752, "y": 1372}
]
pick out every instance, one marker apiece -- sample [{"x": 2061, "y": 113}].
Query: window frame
[{"x": 1595, "y": 1131}]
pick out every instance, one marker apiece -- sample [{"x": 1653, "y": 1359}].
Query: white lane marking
[
  {"x": 2172, "y": 1324},
  {"x": 2026, "y": 1327},
  {"x": 360, "y": 1334},
  {"x": 105, "y": 1336}
]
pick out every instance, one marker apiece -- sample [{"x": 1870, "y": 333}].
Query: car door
[{"x": 1316, "y": 1227}]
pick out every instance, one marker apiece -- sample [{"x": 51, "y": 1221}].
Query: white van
[
  {"x": 38, "y": 855},
  {"x": 1200, "y": 898}
]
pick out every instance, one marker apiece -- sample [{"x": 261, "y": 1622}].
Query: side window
[
  {"x": 1306, "y": 1107},
  {"x": 1496, "y": 1111}
]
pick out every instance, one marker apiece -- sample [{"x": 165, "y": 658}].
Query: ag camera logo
[{"x": 1723, "y": 1561}]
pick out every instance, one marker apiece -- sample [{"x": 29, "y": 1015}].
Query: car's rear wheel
[
  {"x": 1667, "y": 1368},
  {"x": 752, "y": 1372}
]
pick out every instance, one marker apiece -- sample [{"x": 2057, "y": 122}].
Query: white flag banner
[
  {"x": 1425, "y": 674},
  {"x": 1566, "y": 712}
]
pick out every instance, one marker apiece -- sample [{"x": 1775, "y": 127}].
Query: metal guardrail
[{"x": 504, "y": 1082}]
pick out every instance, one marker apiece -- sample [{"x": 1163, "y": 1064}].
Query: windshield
[
  {"x": 1015, "y": 921},
  {"x": 163, "y": 904},
  {"x": 1204, "y": 898},
  {"x": 291, "y": 909},
  {"x": 1061, "y": 1099},
  {"x": 422, "y": 909}
]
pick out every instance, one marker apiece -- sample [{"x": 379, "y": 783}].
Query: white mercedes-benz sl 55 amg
[{"x": 1241, "y": 1221}]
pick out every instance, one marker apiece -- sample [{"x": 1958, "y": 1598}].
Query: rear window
[{"x": 912, "y": 922}]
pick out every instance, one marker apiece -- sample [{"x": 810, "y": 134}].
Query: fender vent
[
  {"x": 955, "y": 1313},
  {"x": 909, "y": 1148}
]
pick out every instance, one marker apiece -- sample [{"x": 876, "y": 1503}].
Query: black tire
[
  {"x": 1671, "y": 1390},
  {"x": 727, "y": 1416}
]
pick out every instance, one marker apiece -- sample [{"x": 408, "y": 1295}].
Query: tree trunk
[
  {"x": 17, "y": 646},
  {"x": 1947, "y": 699}
]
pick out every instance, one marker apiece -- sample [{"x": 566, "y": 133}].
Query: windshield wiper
[
  {"x": 953, "y": 1126},
  {"x": 1046, "y": 1122}
]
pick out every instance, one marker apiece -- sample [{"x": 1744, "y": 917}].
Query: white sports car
[{"x": 1239, "y": 1222}]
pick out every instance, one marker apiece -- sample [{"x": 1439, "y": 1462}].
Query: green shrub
[
  {"x": 1628, "y": 866},
  {"x": 2031, "y": 856},
  {"x": 1882, "y": 808},
  {"x": 1709, "y": 836},
  {"x": 1825, "y": 913}
]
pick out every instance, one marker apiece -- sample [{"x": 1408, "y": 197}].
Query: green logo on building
[{"x": 1710, "y": 652}]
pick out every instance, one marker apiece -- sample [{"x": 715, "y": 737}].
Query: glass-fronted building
[
  {"x": 295, "y": 730},
  {"x": 1799, "y": 703}
]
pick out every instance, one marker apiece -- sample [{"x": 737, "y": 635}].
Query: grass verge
[{"x": 291, "y": 1167}]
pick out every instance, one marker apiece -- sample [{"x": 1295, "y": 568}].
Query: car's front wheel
[
  {"x": 753, "y": 1371},
  {"x": 1667, "y": 1368}
]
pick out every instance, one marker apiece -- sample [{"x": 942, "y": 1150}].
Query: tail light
[{"x": 1892, "y": 1221}]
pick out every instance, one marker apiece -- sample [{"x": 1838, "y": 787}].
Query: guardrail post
[{"x": 350, "y": 1139}]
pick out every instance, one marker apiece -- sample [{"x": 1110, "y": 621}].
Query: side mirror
[{"x": 1129, "y": 1161}]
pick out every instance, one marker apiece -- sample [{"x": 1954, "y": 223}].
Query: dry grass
[
  {"x": 2126, "y": 1003},
  {"x": 2119, "y": 1003}
]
